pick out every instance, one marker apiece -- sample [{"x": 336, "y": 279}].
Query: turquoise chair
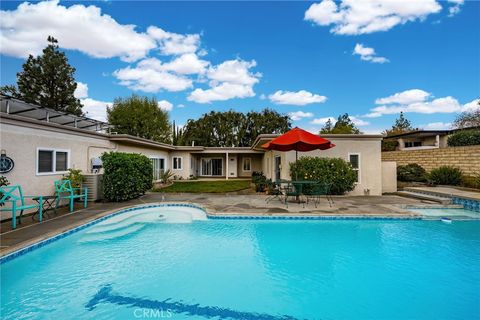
[
  {"x": 14, "y": 195},
  {"x": 64, "y": 190}
]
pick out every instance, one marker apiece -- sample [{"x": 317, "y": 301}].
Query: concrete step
[{"x": 423, "y": 196}]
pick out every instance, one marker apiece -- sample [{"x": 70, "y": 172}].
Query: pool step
[
  {"x": 126, "y": 223},
  {"x": 424, "y": 196},
  {"x": 99, "y": 237}
]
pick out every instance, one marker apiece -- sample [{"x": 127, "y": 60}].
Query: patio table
[
  {"x": 47, "y": 203},
  {"x": 298, "y": 187}
]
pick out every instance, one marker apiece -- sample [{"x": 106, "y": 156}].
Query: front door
[{"x": 278, "y": 167}]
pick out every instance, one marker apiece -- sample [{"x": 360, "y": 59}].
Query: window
[
  {"x": 410, "y": 144},
  {"x": 247, "y": 164},
  {"x": 354, "y": 159},
  {"x": 52, "y": 161},
  {"x": 158, "y": 166},
  {"x": 177, "y": 163}
]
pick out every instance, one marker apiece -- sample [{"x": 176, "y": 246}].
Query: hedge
[
  {"x": 446, "y": 175},
  {"x": 126, "y": 175},
  {"x": 336, "y": 171},
  {"x": 464, "y": 138},
  {"x": 411, "y": 172}
]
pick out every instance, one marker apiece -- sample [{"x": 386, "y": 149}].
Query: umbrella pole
[{"x": 296, "y": 160}]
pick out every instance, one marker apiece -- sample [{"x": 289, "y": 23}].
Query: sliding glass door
[
  {"x": 212, "y": 166},
  {"x": 158, "y": 165}
]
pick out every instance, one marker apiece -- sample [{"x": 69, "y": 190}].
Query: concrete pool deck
[{"x": 215, "y": 204}]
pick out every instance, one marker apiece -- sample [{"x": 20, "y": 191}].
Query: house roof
[{"x": 427, "y": 133}]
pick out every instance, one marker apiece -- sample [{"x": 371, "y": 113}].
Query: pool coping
[{"x": 35, "y": 243}]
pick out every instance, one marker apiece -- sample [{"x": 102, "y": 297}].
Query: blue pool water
[{"x": 170, "y": 263}]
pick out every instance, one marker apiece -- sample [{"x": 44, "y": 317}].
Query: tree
[
  {"x": 141, "y": 117},
  {"x": 231, "y": 128},
  {"x": 468, "y": 119},
  {"x": 401, "y": 125},
  {"x": 47, "y": 80},
  {"x": 344, "y": 125}
]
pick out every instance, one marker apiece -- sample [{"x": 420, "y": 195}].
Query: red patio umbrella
[{"x": 299, "y": 140}]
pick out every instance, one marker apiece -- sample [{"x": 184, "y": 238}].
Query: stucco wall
[
  {"x": 21, "y": 144},
  {"x": 389, "y": 176},
  {"x": 465, "y": 158},
  {"x": 370, "y": 161},
  {"x": 256, "y": 164}
]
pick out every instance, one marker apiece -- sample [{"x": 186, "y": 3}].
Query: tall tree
[
  {"x": 141, "y": 117},
  {"x": 231, "y": 128},
  {"x": 47, "y": 80},
  {"x": 344, "y": 125},
  {"x": 401, "y": 125},
  {"x": 468, "y": 118}
]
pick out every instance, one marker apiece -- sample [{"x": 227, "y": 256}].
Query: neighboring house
[
  {"x": 423, "y": 139},
  {"x": 44, "y": 143}
]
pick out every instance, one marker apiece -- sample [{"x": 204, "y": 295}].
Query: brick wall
[{"x": 465, "y": 158}]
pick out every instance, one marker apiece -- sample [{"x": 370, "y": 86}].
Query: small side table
[{"x": 48, "y": 204}]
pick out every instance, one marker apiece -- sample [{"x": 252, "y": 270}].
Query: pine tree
[
  {"x": 401, "y": 125},
  {"x": 47, "y": 80},
  {"x": 344, "y": 125}
]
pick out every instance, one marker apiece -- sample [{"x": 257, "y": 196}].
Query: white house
[{"x": 44, "y": 143}]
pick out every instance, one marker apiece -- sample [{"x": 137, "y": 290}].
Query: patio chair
[
  {"x": 15, "y": 196},
  {"x": 64, "y": 190},
  {"x": 274, "y": 191},
  {"x": 316, "y": 191}
]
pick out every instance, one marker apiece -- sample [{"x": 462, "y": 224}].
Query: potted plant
[{"x": 76, "y": 178}]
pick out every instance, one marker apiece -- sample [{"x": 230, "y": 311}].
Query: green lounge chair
[
  {"x": 14, "y": 195},
  {"x": 64, "y": 190}
]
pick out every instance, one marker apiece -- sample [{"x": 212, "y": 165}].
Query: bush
[
  {"x": 75, "y": 176},
  {"x": 336, "y": 171},
  {"x": 127, "y": 175},
  {"x": 389, "y": 145},
  {"x": 471, "y": 181},
  {"x": 446, "y": 175},
  {"x": 411, "y": 173},
  {"x": 260, "y": 181},
  {"x": 464, "y": 138}
]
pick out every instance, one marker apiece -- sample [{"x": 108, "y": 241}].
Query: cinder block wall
[{"x": 465, "y": 158}]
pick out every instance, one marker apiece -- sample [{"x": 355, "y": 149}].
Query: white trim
[
  {"x": 54, "y": 161},
  {"x": 173, "y": 163},
  {"x": 359, "y": 169},
  {"x": 243, "y": 164}
]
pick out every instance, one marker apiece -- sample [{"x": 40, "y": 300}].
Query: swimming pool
[{"x": 171, "y": 262}]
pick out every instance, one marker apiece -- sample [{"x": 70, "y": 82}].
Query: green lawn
[{"x": 207, "y": 186}]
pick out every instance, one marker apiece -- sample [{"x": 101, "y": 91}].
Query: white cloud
[
  {"x": 234, "y": 71},
  {"x": 149, "y": 75},
  {"x": 455, "y": 8},
  {"x": 405, "y": 97},
  {"x": 357, "y": 121},
  {"x": 188, "y": 63},
  {"x": 221, "y": 92},
  {"x": 95, "y": 109},
  {"x": 299, "y": 98},
  {"x": 436, "y": 126},
  {"x": 368, "y": 54},
  {"x": 228, "y": 80},
  {"x": 353, "y": 17},
  {"x": 84, "y": 28},
  {"x": 165, "y": 105},
  {"x": 181, "y": 106},
  {"x": 418, "y": 101},
  {"x": 81, "y": 91},
  {"x": 299, "y": 115},
  {"x": 322, "y": 121},
  {"x": 174, "y": 43}
]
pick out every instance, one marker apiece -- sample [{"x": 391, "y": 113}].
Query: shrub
[
  {"x": 75, "y": 176},
  {"x": 260, "y": 181},
  {"x": 411, "y": 172},
  {"x": 471, "y": 181},
  {"x": 446, "y": 175},
  {"x": 336, "y": 171},
  {"x": 3, "y": 182},
  {"x": 127, "y": 175},
  {"x": 389, "y": 145},
  {"x": 464, "y": 138}
]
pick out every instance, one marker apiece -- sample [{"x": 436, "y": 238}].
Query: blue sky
[{"x": 313, "y": 60}]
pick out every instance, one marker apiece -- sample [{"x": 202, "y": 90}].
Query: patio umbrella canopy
[{"x": 299, "y": 140}]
